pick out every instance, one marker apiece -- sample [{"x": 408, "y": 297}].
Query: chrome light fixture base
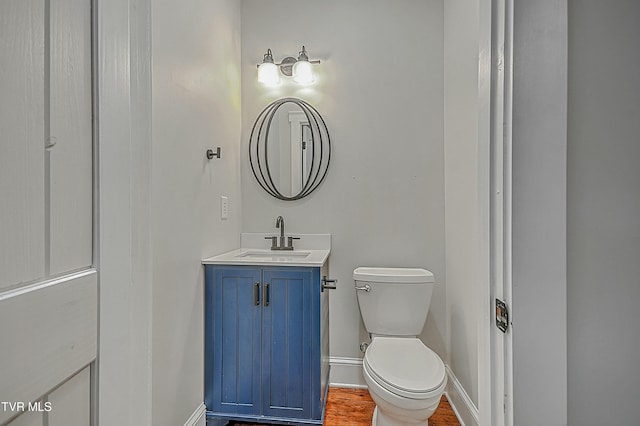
[{"x": 286, "y": 66}]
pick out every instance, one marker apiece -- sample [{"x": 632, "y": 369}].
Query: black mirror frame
[{"x": 258, "y": 149}]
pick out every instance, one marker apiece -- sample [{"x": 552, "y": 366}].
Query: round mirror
[{"x": 289, "y": 149}]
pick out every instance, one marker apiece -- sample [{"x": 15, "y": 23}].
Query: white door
[{"x": 48, "y": 285}]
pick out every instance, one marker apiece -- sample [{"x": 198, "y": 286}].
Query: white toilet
[{"x": 405, "y": 378}]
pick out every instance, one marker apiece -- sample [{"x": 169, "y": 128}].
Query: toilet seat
[{"x": 405, "y": 367}]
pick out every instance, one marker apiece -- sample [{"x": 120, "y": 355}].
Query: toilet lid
[{"x": 405, "y": 364}]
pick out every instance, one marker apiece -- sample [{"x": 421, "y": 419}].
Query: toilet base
[{"x": 379, "y": 419}]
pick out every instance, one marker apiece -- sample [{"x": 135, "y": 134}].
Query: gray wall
[
  {"x": 604, "y": 213},
  {"x": 380, "y": 90},
  {"x": 461, "y": 106},
  {"x": 539, "y": 213},
  {"x": 196, "y": 105}
]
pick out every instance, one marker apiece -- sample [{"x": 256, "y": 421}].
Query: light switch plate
[{"x": 224, "y": 207}]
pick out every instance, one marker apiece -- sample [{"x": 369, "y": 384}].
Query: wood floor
[{"x": 354, "y": 407}]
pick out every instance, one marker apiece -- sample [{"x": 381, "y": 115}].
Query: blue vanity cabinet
[{"x": 265, "y": 356}]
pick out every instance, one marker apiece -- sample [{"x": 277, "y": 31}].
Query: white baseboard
[
  {"x": 197, "y": 417},
  {"x": 462, "y": 405},
  {"x": 346, "y": 373}
]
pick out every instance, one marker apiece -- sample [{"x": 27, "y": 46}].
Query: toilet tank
[{"x": 397, "y": 300}]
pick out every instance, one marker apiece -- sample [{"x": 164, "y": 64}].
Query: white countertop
[
  {"x": 311, "y": 250},
  {"x": 266, "y": 257}
]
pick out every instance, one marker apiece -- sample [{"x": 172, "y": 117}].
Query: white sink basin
[{"x": 274, "y": 255}]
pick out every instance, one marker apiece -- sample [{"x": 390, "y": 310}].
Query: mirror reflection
[{"x": 289, "y": 153}]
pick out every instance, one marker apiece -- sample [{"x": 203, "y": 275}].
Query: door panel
[
  {"x": 29, "y": 418},
  {"x": 45, "y": 81},
  {"x": 70, "y": 179},
  {"x": 70, "y": 404},
  {"x": 52, "y": 334},
  {"x": 235, "y": 325},
  {"x": 22, "y": 178},
  {"x": 286, "y": 342}
]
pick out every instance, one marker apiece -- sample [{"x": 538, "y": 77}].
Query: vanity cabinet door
[
  {"x": 288, "y": 346},
  {"x": 233, "y": 335}
]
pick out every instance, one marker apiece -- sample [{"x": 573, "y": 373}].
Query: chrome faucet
[
  {"x": 280, "y": 224},
  {"x": 274, "y": 240}
]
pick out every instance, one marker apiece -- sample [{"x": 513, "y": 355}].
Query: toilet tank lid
[{"x": 393, "y": 275}]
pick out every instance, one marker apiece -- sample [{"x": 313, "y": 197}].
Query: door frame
[
  {"x": 495, "y": 79},
  {"x": 501, "y": 208},
  {"x": 122, "y": 123},
  {"x": 123, "y": 140}
]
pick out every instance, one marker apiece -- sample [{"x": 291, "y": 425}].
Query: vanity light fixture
[{"x": 300, "y": 69}]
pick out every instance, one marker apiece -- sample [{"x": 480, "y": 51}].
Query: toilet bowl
[{"x": 405, "y": 378}]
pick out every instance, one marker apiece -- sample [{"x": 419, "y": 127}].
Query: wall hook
[{"x": 211, "y": 153}]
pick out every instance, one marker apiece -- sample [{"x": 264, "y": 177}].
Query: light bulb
[
  {"x": 302, "y": 72},
  {"x": 268, "y": 74}
]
